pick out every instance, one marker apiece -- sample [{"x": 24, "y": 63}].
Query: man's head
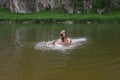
[{"x": 63, "y": 33}]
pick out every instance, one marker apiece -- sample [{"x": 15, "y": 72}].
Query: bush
[
  {"x": 100, "y": 3},
  {"x": 77, "y": 4}
]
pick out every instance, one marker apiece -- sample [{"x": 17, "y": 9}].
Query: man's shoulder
[
  {"x": 59, "y": 40},
  {"x": 68, "y": 39}
]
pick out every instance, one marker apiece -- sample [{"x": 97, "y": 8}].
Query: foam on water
[{"x": 48, "y": 45}]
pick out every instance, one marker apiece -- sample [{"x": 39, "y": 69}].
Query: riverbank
[{"x": 55, "y": 16}]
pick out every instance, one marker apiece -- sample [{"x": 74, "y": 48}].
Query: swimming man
[{"x": 64, "y": 40}]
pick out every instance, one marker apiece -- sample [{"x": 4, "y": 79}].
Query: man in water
[{"x": 64, "y": 40}]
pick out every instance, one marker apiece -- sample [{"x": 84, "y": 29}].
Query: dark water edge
[{"x": 61, "y": 21}]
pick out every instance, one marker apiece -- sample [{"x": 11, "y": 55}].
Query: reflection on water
[{"x": 97, "y": 58}]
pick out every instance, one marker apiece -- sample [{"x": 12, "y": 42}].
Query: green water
[{"x": 98, "y": 59}]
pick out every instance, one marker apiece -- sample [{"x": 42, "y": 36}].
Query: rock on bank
[{"x": 27, "y": 6}]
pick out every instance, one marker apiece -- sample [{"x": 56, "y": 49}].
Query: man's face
[{"x": 64, "y": 34}]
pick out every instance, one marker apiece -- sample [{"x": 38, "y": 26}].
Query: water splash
[{"x": 48, "y": 45}]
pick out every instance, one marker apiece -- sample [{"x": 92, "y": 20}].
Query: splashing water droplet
[{"x": 48, "y": 45}]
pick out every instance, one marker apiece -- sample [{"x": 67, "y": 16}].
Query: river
[{"x": 98, "y": 58}]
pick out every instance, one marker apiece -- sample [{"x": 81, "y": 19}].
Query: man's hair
[{"x": 62, "y": 31}]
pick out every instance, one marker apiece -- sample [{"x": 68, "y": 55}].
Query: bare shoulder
[
  {"x": 58, "y": 41},
  {"x": 68, "y": 39}
]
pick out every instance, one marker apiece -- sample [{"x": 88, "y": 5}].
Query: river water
[{"x": 25, "y": 53}]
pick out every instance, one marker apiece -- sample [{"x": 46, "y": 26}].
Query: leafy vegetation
[
  {"x": 55, "y": 16},
  {"x": 100, "y": 3},
  {"x": 96, "y": 4}
]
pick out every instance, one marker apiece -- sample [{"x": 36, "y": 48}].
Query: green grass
[{"x": 54, "y": 16}]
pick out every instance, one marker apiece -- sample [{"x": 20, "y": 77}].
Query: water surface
[{"x": 97, "y": 59}]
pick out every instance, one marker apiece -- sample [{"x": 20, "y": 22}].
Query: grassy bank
[{"x": 56, "y": 16}]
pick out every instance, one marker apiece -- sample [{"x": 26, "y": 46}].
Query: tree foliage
[
  {"x": 77, "y": 3},
  {"x": 100, "y": 3}
]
